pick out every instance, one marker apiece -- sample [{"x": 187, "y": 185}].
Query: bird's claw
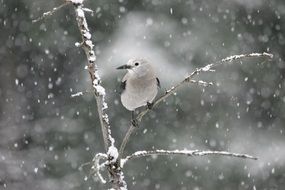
[
  {"x": 149, "y": 105},
  {"x": 135, "y": 123}
]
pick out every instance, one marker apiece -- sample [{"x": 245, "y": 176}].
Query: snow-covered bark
[{"x": 115, "y": 172}]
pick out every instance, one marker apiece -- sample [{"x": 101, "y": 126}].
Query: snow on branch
[
  {"x": 201, "y": 83},
  {"x": 207, "y": 68},
  {"x": 77, "y": 94},
  {"x": 87, "y": 45},
  {"x": 50, "y": 13},
  {"x": 191, "y": 153},
  {"x": 188, "y": 79},
  {"x": 236, "y": 57},
  {"x": 55, "y": 9},
  {"x": 76, "y": 1},
  {"x": 96, "y": 167},
  {"x": 114, "y": 169},
  {"x": 112, "y": 155},
  {"x": 99, "y": 90}
]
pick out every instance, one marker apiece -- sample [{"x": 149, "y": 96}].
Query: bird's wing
[
  {"x": 123, "y": 85},
  {"x": 158, "y": 82}
]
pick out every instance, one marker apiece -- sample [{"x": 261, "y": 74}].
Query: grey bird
[{"x": 139, "y": 85}]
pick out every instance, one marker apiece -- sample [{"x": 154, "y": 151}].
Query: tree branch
[
  {"x": 96, "y": 167},
  {"x": 112, "y": 163},
  {"x": 207, "y": 68},
  {"x": 126, "y": 139},
  {"x": 99, "y": 90},
  {"x": 188, "y": 79},
  {"x": 191, "y": 153},
  {"x": 87, "y": 45},
  {"x": 49, "y": 13}
]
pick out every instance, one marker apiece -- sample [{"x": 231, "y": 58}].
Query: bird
[{"x": 139, "y": 85}]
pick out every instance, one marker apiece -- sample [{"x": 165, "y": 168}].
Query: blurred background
[{"x": 45, "y": 135}]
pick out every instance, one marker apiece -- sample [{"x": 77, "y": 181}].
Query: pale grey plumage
[{"x": 139, "y": 84}]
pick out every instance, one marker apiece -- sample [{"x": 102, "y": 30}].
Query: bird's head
[{"x": 139, "y": 67}]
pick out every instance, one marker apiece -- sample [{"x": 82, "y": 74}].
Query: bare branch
[
  {"x": 140, "y": 154},
  {"x": 49, "y": 13},
  {"x": 188, "y": 79},
  {"x": 126, "y": 139}
]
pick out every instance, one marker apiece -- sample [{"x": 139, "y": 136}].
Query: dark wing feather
[
  {"x": 158, "y": 82},
  {"x": 123, "y": 85}
]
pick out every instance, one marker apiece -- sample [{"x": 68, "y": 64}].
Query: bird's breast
[{"x": 138, "y": 92}]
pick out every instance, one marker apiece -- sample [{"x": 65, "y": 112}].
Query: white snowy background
[{"x": 45, "y": 135}]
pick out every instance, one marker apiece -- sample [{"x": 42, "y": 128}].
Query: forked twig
[{"x": 96, "y": 167}]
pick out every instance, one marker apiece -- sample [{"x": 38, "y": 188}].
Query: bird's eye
[{"x": 136, "y": 64}]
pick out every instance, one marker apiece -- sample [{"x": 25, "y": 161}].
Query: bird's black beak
[{"x": 124, "y": 67}]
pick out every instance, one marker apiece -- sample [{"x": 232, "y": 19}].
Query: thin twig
[
  {"x": 83, "y": 165},
  {"x": 140, "y": 154},
  {"x": 207, "y": 68},
  {"x": 236, "y": 57},
  {"x": 96, "y": 167},
  {"x": 49, "y": 13},
  {"x": 77, "y": 94},
  {"x": 201, "y": 83},
  {"x": 130, "y": 131}
]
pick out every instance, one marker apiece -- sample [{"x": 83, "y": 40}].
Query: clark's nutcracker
[{"x": 139, "y": 85}]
